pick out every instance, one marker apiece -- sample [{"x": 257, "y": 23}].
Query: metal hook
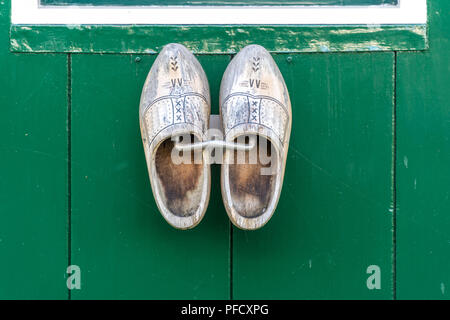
[{"x": 216, "y": 144}]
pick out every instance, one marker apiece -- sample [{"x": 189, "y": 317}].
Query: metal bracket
[{"x": 214, "y": 122}]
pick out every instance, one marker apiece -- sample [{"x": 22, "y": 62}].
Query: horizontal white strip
[{"x": 408, "y": 12}]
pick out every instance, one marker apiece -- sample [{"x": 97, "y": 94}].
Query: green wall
[{"x": 367, "y": 182}]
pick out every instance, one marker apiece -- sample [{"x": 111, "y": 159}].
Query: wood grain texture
[
  {"x": 120, "y": 240},
  {"x": 33, "y": 174},
  {"x": 254, "y": 102},
  {"x": 333, "y": 219},
  {"x": 423, "y": 158},
  {"x": 175, "y": 101}
]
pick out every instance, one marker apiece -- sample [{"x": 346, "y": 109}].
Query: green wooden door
[
  {"x": 367, "y": 182},
  {"x": 33, "y": 174},
  {"x": 423, "y": 171},
  {"x": 118, "y": 235},
  {"x": 334, "y": 219}
]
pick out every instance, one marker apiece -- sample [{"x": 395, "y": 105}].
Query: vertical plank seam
[
  {"x": 394, "y": 181},
  {"x": 69, "y": 164},
  {"x": 231, "y": 260}
]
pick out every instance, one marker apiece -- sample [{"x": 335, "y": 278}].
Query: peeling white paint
[
  {"x": 14, "y": 44},
  {"x": 320, "y": 45},
  {"x": 421, "y": 31},
  {"x": 357, "y": 30}
]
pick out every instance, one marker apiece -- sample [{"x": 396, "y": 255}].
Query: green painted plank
[
  {"x": 217, "y": 2},
  {"x": 333, "y": 220},
  {"x": 216, "y": 39},
  {"x": 122, "y": 244},
  {"x": 33, "y": 174},
  {"x": 423, "y": 171}
]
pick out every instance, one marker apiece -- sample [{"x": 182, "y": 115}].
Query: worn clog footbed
[
  {"x": 254, "y": 104},
  {"x": 175, "y": 102}
]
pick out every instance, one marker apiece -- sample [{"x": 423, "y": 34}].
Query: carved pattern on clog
[
  {"x": 174, "y": 63},
  {"x": 167, "y": 111},
  {"x": 255, "y": 63},
  {"x": 243, "y": 108}
]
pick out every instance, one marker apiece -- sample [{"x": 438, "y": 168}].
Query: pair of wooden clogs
[{"x": 254, "y": 108}]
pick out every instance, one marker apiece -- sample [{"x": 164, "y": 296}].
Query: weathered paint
[
  {"x": 423, "y": 165},
  {"x": 33, "y": 172},
  {"x": 216, "y": 39}
]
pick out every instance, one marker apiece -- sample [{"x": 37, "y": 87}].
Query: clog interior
[
  {"x": 252, "y": 181},
  {"x": 180, "y": 183}
]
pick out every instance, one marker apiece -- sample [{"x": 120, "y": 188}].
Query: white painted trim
[{"x": 408, "y": 12}]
